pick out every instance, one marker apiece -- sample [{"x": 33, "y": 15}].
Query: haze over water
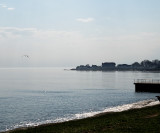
[
  {"x": 61, "y": 33},
  {"x": 33, "y": 96}
]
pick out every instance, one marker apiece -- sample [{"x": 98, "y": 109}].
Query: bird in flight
[{"x": 27, "y": 56}]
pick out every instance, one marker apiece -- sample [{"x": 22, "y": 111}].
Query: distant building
[
  {"x": 108, "y": 66},
  {"x": 94, "y": 66},
  {"x": 124, "y": 67},
  {"x": 82, "y": 67}
]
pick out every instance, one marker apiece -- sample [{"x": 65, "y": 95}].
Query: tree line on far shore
[{"x": 145, "y": 65}]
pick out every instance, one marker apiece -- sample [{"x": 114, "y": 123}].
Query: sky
[{"x": 67, "y": 33}]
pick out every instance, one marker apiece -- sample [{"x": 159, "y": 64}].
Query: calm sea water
[{"x": 33, "y": 96}]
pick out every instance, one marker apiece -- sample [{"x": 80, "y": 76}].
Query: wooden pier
[{"x": 147, "y": 85}]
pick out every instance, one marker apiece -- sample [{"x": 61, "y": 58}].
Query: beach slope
[{"x": 136, "y": 120}]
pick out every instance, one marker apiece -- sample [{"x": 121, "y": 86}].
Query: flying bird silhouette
[{"x": 26, "y": 56}]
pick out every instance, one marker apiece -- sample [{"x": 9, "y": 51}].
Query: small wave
[
  {"x": 120, "y": 108},
  {"x": 136, "y": 105}
]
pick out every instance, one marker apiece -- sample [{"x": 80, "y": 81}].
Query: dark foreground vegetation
[{"x": 146, "y": 120}]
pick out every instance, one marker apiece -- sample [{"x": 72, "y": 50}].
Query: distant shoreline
[
  {"x": 156, "y": 71},
  {"x": 145, "y": 65}
]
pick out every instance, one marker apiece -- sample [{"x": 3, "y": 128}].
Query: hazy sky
[{"x": 73, "y": 32}]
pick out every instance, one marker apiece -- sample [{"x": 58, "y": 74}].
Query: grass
[{"x": 145, "y": 120}]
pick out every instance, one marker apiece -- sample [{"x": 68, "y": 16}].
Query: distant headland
[{"x": 145, "y": 65}]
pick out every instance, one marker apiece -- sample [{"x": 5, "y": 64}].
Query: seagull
[
  {"x": 158, "y": 97},
  {"x": 26, "y": 56}
]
